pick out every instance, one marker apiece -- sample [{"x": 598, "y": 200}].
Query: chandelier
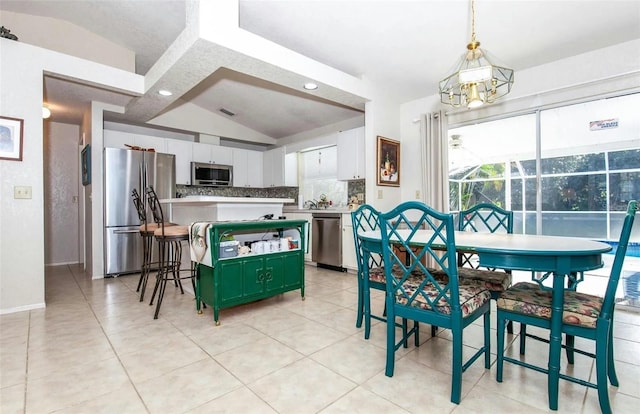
[{"x": 476, "y": 81}]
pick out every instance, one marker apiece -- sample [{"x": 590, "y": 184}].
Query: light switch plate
[
  {"x": 23, "y": 191},
  {"x": 379, "y": 194}
]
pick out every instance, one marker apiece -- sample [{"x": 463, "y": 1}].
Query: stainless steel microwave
[{"x": 211, "y": 175}]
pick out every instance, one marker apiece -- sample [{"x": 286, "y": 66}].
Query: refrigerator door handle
[
  {"x": 141, "y": 180},
  {"x": 126, "y": 231}
]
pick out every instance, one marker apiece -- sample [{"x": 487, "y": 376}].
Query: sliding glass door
[{"x": 569, "y": 170}]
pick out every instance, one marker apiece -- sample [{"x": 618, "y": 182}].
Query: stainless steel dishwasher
[{"x": 327, "y": 240}]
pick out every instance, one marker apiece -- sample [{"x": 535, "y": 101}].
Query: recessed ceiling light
[
  {"x": 165, "y": 92},
  {"x": 310, "y": 86}
]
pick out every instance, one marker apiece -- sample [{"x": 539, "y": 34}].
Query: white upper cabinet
[
  {"x": 247, "y": 168},
  {"x": 280, "y": 169},
  {"x": 272, "y": 161},
  {"x": 240, "y": 165},
  {"x": 151, "y": 142},
  {"x": 183, "y": 152},
  {"x": 291, "y": 169},
  {"x": 351, "y": 158},
  {"x": 126, "y": 140},
  {"x": 212, "y": 154},
  {"x": 255, "y": 169}
]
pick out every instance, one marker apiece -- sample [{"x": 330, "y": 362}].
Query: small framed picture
[
  {"x": 388, "y": 162},
  {"x": 11, "y": 131},
  {"x": 85, "y": 157}
]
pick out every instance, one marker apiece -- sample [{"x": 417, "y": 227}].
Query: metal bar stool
[
  {"x": 169, "y": 240},
  {"x": 146, "y": 232}
]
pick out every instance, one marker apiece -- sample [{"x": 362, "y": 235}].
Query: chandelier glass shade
[{"x": 476, "y": 80}]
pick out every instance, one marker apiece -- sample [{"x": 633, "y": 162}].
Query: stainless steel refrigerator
[{"x": 125, "y": 170}]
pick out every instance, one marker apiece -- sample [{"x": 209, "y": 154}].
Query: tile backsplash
[
  {"x": 354, "y": 187},
  {"x": 270, "y": 192},
  {"x": 357, "y": 187}
]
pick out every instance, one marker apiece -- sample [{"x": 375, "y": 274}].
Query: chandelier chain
[{"x": 473, "y": 21}]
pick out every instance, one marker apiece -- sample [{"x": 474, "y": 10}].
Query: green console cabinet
[{"x": 236, "y": 280}]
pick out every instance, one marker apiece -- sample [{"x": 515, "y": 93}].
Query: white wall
[
  {"x": 21, "y": 221},
  {"x": 381, "y": 119},
  {"x": 61, "y": 213}
]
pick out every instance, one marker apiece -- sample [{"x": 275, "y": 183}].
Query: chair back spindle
[
  {"x": 399, "y": 227},
  {"x": 365, "y": 218},
  {"x": 483, "y": 218},
  {"x": 156, "y": 208},
  {"x": 140, "y": 207}
]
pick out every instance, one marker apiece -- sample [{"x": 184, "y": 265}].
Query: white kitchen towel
[{"x": 198, "y": 236}]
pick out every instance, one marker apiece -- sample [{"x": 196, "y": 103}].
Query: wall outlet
[
  {"x": 379, "y": 194},
  {"x": 417, "y": 194},
  {"x": 23, "y": 192}
]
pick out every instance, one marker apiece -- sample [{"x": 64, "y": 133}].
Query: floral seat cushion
[
  {"x": 529, "y": 299},
  {"x": 376, "y": 274},
  {"x": 472, "y": 296},
  {"x": 495, "y": 281}
]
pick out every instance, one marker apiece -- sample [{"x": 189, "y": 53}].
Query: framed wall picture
[
  {"x": 85, "y": 158},
  {"x": 388, "y": 162},
  {"x": 11, "y": 131}
]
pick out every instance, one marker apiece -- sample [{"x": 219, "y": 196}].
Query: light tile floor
[{"x": 96, "y": 349}]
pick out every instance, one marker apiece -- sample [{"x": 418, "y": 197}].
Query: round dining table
[{"x": 559, "y": 256}]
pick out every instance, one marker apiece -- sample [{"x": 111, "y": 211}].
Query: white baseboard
[{"x": 22, "y": 308}]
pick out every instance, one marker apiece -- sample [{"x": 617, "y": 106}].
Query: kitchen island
[
  {"x": 227, "y": 277},
  {"x": 214, "y": 208}
]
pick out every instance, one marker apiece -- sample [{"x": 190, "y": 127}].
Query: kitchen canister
[
  {"x": 258, "y": 247},
  {"x": 284, "y": 244},
  {"x": 274, "y": 245}
]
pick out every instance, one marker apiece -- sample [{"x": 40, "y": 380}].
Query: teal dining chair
[
  {"x": 370, "y": 268},
  {"x": 365, "y": 218},
  {"x": 431, "y": 294},
  {"x": 485, "y": 218},
  {"x": 585, "y": 316}
]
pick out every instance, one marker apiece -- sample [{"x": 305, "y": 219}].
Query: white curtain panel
[
  {"x": 435, "y": 161},
  {"x": 435, "y": 164}
]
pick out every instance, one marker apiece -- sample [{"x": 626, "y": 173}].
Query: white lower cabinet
[
  {"x": 349, "y": 260},
  {"x": 307, "y": 244}
]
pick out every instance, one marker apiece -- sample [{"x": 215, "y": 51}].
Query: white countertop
[
  {"x": 337, "y": 210},
  {"x": 224, "y": 200}
]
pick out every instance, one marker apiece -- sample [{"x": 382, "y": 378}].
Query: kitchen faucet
[{"x": 312, "y": 204}]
